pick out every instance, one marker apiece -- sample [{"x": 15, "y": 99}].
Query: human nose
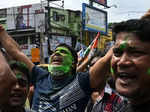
[
  {"x": 17, "y": 86},
  {"x": 124, "y": 60}
]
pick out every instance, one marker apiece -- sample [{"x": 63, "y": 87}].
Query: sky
[{"x": 119, "y": 9}]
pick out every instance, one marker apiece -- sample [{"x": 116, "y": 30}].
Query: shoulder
[
  {"x": 29, "y": 110},
  {"x": 113, "y": 101},
  {"x": 38, "y": 70},
  {"x": 112, "y": 94},
  {"x": 83, "y": 76},
  {"x": 110, "y": 101},
  {"x": 84, "y": 82},
  {"x": 38, "y": 73}
]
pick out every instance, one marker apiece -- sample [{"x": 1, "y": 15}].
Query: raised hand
[{"x": 146, "y": 15}]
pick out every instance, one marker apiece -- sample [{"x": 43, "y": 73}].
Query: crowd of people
[{"x": 116, "y": 82}]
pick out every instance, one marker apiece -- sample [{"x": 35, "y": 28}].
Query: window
[
  {"x": 62, "y": 17},
  {"x": 55, "y": 16}
]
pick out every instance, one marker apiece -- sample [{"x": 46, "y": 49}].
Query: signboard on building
[
  {"x": 56, "y": 40},
  {"x": 40, "y": 20},
  {"x": 3, "y": 15},
  {"x": 94, "y": 19},
  {"x": 59, "y": 18},
  {"x": 101, "y": 2},
  {"x": 27, "y": 16},
  {"x": 3, "y": 22}
]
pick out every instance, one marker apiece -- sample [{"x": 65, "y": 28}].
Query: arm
[
  {"x": 13, "y": 49},
  {"x": 85, "y": 61},
  {"x": 99, "y": 70},
  {"x": 146, "y": 15},
  {"x": 83, "y": 65}
]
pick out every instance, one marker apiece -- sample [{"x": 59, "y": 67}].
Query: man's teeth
[
  {"x": 16, "y": 95},
  {"x": 126, "y": 75}
]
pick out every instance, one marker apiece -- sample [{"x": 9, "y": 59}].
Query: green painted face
[
  {"x": 112, "y": 71},
  {"x": 67, "y": 61},
  {"x": 148, "y": 72},
  {"x": 18, "y": 75},
  {"x": 124, "y": 43}
]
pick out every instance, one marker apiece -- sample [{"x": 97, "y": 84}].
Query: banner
[
  {"x": 35, "y": 53},
  {"x": 90, "y": 48},
  {"x": 101, "y": 2}
]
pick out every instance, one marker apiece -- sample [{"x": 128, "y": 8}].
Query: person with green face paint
[
  {"x": 19, "y": 90},
  {"x": 61, "y": 89},
  {"x": 60, "y": 67},
  {"x": 66, "y": 65},
  {"x": 7, "y": 79},
  {"x": 130, "y": 66}
]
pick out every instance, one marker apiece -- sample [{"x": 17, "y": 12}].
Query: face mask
[{"x": 66, "y": 66}]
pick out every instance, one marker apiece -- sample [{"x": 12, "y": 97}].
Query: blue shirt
[{"x": 72, "y": 98}]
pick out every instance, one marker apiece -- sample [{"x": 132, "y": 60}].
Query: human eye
[
  {"x": 63, "y": 51},
  {"x": 22, "y": 82},
  {"x": 55, "y": 51},
  {"x": 117, "y": 52}
]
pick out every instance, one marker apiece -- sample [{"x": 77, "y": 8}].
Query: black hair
[
  {"x": 21, "y": 67},
  {"x": 73, "y": 52},
  {"x": 138, "y": 27}
]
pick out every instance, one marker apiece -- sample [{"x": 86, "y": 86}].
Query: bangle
[{"x": 1, "y": 28}]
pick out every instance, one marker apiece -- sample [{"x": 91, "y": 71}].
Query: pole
[
  {"x": 48, "y": 8},
  {"x": 41, "y": 46},
  {"x": 41, "y": 41},
  {"x": 49, "y": 27},
  {"x": 91, "y": 3}
]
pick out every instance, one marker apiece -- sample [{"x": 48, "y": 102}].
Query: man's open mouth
[
  {"x": 126, "y": 75},
  {"x": 126, "y": 78},
  {"x": 16, "y": 96}
]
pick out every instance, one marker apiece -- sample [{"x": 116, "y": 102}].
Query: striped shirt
[
  {"x": 109, "y": 101},
  {"x": 72, "y": 98}
]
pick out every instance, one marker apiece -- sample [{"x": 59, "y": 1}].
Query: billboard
[
  {"x": 27, "y": 16},
  {"x": 94, "y": 19},
  {"x": 101, "y": 2},
  {"x": 3, "y": 19}
]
